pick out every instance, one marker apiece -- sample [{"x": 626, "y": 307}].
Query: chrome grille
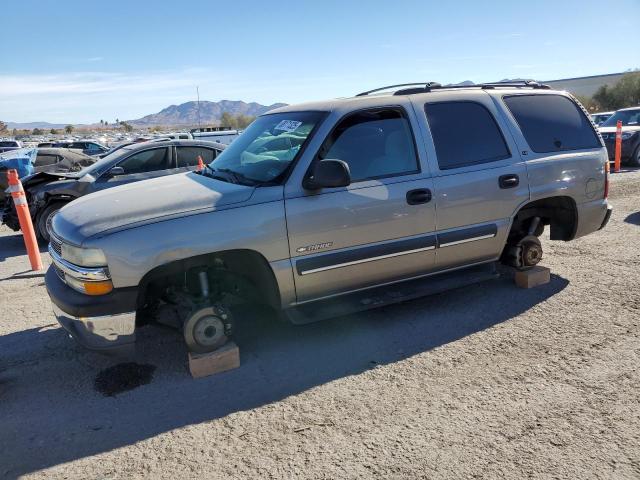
[
  {"x": 59, "y": 272},
  {"x": 56, "y": 244}
]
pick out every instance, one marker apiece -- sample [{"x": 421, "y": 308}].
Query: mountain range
[
  {"x": 210, "y": 112},
  {"x": 183, "y": 114}
]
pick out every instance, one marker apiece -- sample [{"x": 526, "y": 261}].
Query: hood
[
  {"x": 625, "y": 128},
  {"x": 46, "y": 177},
  {"x": 144, "y": 202}
]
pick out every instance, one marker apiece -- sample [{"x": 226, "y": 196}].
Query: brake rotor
[
  {"x": 530, "y": 251},
  {"x": 205, "y": 330}
]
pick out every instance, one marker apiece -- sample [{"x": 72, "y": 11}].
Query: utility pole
[{"x": 198, "y": 94}]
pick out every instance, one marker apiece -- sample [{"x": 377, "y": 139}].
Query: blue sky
[{"x": 82, "y": 61}]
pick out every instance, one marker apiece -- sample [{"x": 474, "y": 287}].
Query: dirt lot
[{"x": 491, "y": 382}]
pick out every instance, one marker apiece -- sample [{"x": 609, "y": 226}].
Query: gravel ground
[{"x": 490, "y": 381}]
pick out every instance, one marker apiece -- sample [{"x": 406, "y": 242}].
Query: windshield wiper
[
  {"x": 214, "y": 174},
  {"x": 238, "y": 177}
]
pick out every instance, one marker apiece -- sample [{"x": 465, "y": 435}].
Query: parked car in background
[
  {"x": 8, "y": 145},
  {"x": 47, "y": 192},
  {"x": 87, "y": 147},
  {"x": 53, "y": 160},
  {"x": 630, "y": 118},
  {"x": 215, "y": 134},
  {"x": 326, "y": 208},
  {"x": 600, "y": 117}
]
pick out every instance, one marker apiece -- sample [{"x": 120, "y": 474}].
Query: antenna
[{"x": 198, "y": 94}]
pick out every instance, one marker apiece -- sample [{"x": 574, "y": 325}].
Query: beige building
[{"x": 585, "y": 86}]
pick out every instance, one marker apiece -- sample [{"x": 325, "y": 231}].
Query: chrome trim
[
  {"x": 466, "y": 240},
  {"x": 365, "y": 260},
  {"x": 90, "y": 274},
  {"x": 99, "y": 333}
]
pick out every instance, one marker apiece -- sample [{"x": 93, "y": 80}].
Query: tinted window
[
  {"x": 552, "y": 123},
  {"x": 147, "y": 161},
  {"x": 188, "y": 156},
  {"x": 42, "y": 160},
  {"x": 627, "y": 117},
  {"x": 464, "y": 133},
  {"x": 374, "y": 143}
]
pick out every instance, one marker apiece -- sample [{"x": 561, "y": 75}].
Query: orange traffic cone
[
  {"x": 26, "y": 225},
  {"x": 200, "y": 163}
]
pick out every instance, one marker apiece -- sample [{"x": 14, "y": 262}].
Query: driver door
[
  {"x": 141, "y": 165},
  {"x": 378, "y": 229}
]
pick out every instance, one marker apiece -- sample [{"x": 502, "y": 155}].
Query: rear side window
[
  {"x": 552, "y": 123},
  {"x": 188, "y": 156},
  {"x": 464, "y": 133}
]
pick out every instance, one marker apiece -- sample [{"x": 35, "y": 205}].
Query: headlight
[
  {"x": 85, "y": 257},
  {"x": 627, "y": 135}
]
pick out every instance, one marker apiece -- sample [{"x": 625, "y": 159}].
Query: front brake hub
[{"x": 207, "y": 329}]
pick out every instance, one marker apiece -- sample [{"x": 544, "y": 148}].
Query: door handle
[
  {"x": 420, "y": 195},
  {"x": 509, "y": 181}
]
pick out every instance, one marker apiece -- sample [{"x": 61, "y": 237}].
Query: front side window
[
  {"x": 552, "y": 123},
  {"x": 266, "y": 149},
  {"x": 43, "y": 160},
  {"x": 627, "y": 117},
  {"x": 464, "y": 133},
  {"x": 374, "y": 143},
  {"x": 188, "y": 156},
  {"x": 146, "y": 161}
]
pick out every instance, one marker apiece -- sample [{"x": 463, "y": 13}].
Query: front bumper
[{"x": 96, "y": 322}]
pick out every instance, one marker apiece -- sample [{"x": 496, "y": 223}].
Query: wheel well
[
  {"x": 247, "y": 272},
  {"x": 560, "y": 213}
]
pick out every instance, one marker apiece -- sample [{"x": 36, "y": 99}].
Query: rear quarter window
[{"x": 552, "y": 123}]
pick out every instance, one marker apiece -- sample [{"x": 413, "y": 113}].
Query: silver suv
[{"x": 325, "y": 208}]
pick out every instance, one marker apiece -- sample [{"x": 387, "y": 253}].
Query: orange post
[
  {"x": 618, "y": 155},
  {"x": 200, "y": 163},
  {"x": 26, "y": 225}
]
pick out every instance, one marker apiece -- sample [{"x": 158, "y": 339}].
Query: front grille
[
  {"x": 56, "y": 244},
  {"x": 59, "y": 272}
]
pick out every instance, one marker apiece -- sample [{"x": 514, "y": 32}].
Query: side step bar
[{"x": 390, "y": 294}]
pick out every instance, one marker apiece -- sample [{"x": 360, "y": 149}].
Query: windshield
[
  {"x": 267, "y": 148},
  {"x": 628, "y": 117}
]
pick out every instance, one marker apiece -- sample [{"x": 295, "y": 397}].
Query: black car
[
  {"x": 55, "y": 160},
  {"x": 48, "y": 192},
  {"x": 630, "y": 118}
]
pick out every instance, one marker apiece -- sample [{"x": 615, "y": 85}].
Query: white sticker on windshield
[{"x": 288, "y": 125}]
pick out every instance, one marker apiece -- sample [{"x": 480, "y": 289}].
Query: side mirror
[
  {"x": 115, "y": 171},
  {"x": 329, "y": 173}
]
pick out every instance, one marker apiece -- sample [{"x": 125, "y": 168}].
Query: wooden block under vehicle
[
  {"x": 225, "y": 358},
  {"x": 533, "y": 277}
]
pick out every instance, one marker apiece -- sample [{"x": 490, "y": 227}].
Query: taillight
[{"x": 607, "y": 167}]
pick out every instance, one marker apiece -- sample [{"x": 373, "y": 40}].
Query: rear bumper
[
  {"x": 96, "y": 322},
  {"x": 606, "y": 217},
  {"x": 592, "y": 216}
]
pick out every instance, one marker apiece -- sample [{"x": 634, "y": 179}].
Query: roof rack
[{"x": 425, "y": 87}]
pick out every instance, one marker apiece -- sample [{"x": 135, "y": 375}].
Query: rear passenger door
[{"x": 479, "y": 178}]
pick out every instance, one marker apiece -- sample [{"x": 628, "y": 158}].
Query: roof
[{"x": 364, "y": 100}]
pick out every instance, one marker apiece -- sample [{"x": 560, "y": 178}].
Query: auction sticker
[{"x": 288, "y": 125}]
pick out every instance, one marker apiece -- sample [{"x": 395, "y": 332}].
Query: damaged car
[{"x": 48, "y": 191}]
